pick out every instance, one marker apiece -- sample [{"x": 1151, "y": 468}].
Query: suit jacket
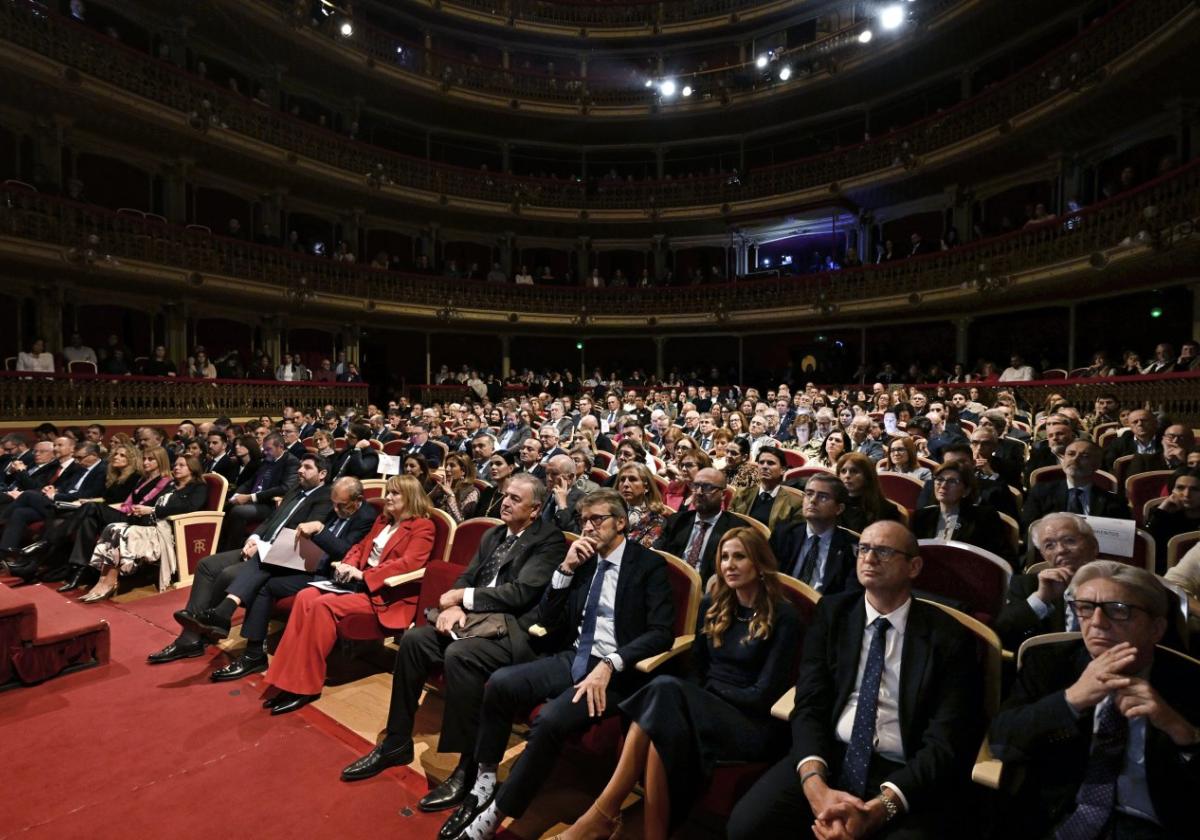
[
  {"x": 565, "y": 518},
  {"x": 360, "y": 463},
  {"x": 1017, "y": 620},
  {"x": 524, "y": 573},
  {"x": 787, "y": 542},
  {"x": 1051, "y": 497},
  {"x": 226, "y": 465},
  {"x": 786, "y": 507},
  {"x": 518, "y": 436},
  {"x": 298, "y": 449},
  {"x": 357, "y": 527},
  {"x": 34, "y": 477},
  {"x": 978, "y": 525},
  {"x": 1149, "y": 463},
  {"x": 1036, "y": 730},
  {"x": 314, "y": 508},
  {"x": 993, "y": 492},
  {"x": 1040, "y": 456},
  {"x": 870, "y": 447},
  {"x": 92, "y": 487},
  {"x": 941, "y": 695},
  {"x": 276, "y": 477},
  {"x": 1124, "y": 444},
  {"x": 407, "y": 550},
  {"x": 678, "y": 529},
  {"x": 644, "y": 611}
]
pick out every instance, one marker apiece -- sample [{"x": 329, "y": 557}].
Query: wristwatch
[
  {"x": 890, "y": 805},
  {"x": 608, "y": 661}
]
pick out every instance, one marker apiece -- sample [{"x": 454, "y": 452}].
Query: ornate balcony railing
[
  {"x": 46, "y": 396},
  {"x": 1159, "y": 214},
  {"x": 1075, "y": 67},
  {"x": 651, "y": 15}
]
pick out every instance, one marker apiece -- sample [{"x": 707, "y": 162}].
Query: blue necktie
[
  {"x": 1097, "y": 793},
  {"x": 808, "y": 565},
  {"x": 853, "y": 778},
  {"x": 588, "y": 634}
]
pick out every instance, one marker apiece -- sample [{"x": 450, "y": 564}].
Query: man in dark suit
[
  {"x": 888, "y": 713},
  {"x": 307, "y": 501},
  {"x": 767, "y": 501},
  {"x": 380, "y": 430},
  {"x": 506, "y": 577},
  {"x": 1177, "y": 442},
  {"x": 1077, "y": 493},
  {"x": 419, "y": 444},
  {"x": 359, "y": 459},
  {"x": 84, "y": 479},
  {"x": 1141, "y": 439},
  {"x": 815, "y": 550},
  {"x": 1035, "y": 603},
  {"x": 257, "y": 586},
  {"x": 861, "y": 440},
  {"x": 254, "y": 501},
  {"x": 562, "y": 494},
  {"x": 219, "y": 460},
  {"x": 1007, "y": 447},
  {"x": 1049, "y": 453},
  {"x": 693, "y": 535},
  {"x": 513, "y": 433},
  {"x": 608, "y": 606},
  {"x": 15, "y": 448},
  {"x": 291, "y": 438},
  {"x": 1105, "y": 728},
  {"x": 35, "y": 475}
]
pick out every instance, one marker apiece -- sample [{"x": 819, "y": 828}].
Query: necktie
[
  {"x": 284, "y": 515},
  {"x": 853, "y": 777},
  {"x": 697, "y": 543},
  {"x": 588, "y": 633},
  {"x": 488, "y": 570},
  {"x": 764, "y": 498},
  {"x": 1075, "y": 500},
  {"x": 809, "y": 564},
  {"x": 79, "y": 483},
  {"x": 1097, "y": 793},
  {"x": 261, "y": 480}
]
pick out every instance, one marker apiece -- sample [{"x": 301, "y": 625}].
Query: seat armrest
[
  {"x": 988, "y": 769},
  {"x": 782, "y": 710},
  {"x": 407, "y": 577},
  {"x": 680, "y": 645}
]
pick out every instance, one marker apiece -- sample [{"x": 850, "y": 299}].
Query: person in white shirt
[
  {"x": 36, "y": 360},
  {"x": 1017, "y": 371},
  {"x": 524, "y": 278},
  {"x": 77, "y": 351}
]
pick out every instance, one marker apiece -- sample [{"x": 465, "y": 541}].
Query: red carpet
[{"x": 127, "y": 749}]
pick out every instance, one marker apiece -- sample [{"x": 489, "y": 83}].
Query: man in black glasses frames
[{"x": 1105, "y": 727}]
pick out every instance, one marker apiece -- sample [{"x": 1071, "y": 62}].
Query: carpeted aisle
[{"x": 128, "y": 749}]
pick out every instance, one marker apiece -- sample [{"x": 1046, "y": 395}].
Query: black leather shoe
[
  {"x": 464, "y": 816},
  {"x": 239, "y": 668},
  {"x": 205, "y": 622},
  {"x": 54, "y": 574},
  {"x": 75, "y": 579},
  {"x": 34, "y": 548},
  {"x": 450, "y": 793},
  {"x": 297, "y": 701},
  {"x": 376, "y": 761},
  {"x": 175, "y": 651},
  {"x": 25, "y": 571}
]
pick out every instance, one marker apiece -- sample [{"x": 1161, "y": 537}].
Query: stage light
[
  {"x": 649, "y": 83},
  {"x": 578, "y": 345},
  {"x": 687, "y": 90},
  {"x": 1156, "y": 312},
  {"x": 865, "y": 36},
  {"x": 891, "y": 17},
  {"x": 347, "y": 29},
  {"x": 766, "y": 262},
  {"x": 667, "y": 87},
  {"x": 761, "y": 61},
  {"x": 785, "y": 73}
]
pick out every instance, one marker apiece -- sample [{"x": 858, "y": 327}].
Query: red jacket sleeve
[{"x": 409, "y": 549}]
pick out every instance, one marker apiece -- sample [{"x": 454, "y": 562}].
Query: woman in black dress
[
  {"x": 866, "y": 504},
  {"x": 743, "y": 659}
]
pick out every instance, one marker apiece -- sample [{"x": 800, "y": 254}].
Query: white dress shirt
[
  {"x": 379, "y": 543},
  {"x": 604, "y": 640}
]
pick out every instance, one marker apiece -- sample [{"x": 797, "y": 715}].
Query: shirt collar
[
  {"x": 772, "y": 493},
  {"x": 898, "y": 617},
  {"x": 825, "y": 538},
  {"x": 615, "y": 556}
]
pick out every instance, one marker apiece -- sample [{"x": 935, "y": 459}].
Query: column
[
  {"x": 660, "y": 256},
  {"x": 505, "y": 157},
  {"x": 506, "y": 253},
  {"x": 428, "y": 56},
  {"x": 505, "y": 356},
  {"x": 659, "y": 156},
  {"x": 741, "y": 359},
  {"x": 176, "y": 339},
  {"x": 1070, "y": 337},
  {"x": 961, "y": 337},
  {"x": 660, "y": 341},
  {"x": 428, "y": 359},
  {"x": 48, "y": 317},
  {"x": 350, "y": 342},
  {"x": 47, "y": 135},
  {"x": 271, "y": 341},
  {"x": 583, "y": 259}
]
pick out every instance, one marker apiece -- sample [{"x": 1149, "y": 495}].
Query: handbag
[{"x": 477, "y": 625}]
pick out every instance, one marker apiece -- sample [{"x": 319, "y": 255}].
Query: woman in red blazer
[{"x": 400, "y": 541}]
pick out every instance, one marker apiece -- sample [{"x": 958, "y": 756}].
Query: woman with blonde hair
[
  {"x": 647, "y": 513},
  {"x": 743, "y": 659},
  {"x": 400, "y": 541}
]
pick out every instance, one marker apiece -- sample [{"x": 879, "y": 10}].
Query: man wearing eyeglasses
[
  {"x": 693, "y": 534},
  {"x": 1035, "y": 603},
  {"x": 888, "y": 713},
  {"x": 1177, "y": 441},
  {"x": 1077, "y": 491},
  {"x": 815, "y": 550},
  {"x": 1105, "y": 727},
  {"x": 608, "y": 606}
]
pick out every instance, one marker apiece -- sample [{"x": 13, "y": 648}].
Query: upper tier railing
[
  {"x": 60, "y": 396},
  {"x": 1155, "y": 213},
  {"x": 620, "y": 14},
  {"x": 1075, "y": 66}
]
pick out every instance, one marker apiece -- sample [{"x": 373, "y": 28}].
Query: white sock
[
  {"x": 485, "y": 783},
  {"x": 484, "y": 826}
]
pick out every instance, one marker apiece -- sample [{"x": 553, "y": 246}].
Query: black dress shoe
[
  {"x": 464, "y": 815},
  {"x": 25, "y": 571},
  {"x": 376, "y": 761},
  {"x": 239, "y": 668},
  {"x": 297, "y": 701},
  {"x": 175, "y": 651},
  {"x": 450, "y": 793},
  {"x": 34, "y": 548},
  {"x": 205, "y": 622},
  {"x": 54, "y": 574},
  {"x": 75, "y": 579}
]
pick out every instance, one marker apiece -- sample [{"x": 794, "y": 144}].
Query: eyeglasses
[
  {"x": 703, "y": 487},
  {"x": 689, "y": 465},
  {"x": 596, "y": 520},
  {"x": 1113, "y": 610},
  {"x": 947, "y": 481},
  {"x": 883, "y": 552}
]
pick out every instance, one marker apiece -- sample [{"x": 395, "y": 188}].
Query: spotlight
[
  {"x": 891, "y": 17},
  {"x": 1156, "y": 312},
  {"x": 761, "y": 61},
  {"x": 785, "y": 73},
  {"x": 766, "y": 262},
  {"x": 649, "y": 83},
  {"x": 687, "y": 90},
  {"x": 865, "y": 36},
  {"x": 399, "y": 50},
  {"x": 667, "y": 87},
  {"x": 347, "y": 29}
]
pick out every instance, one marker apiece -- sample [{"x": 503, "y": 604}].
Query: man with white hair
[
  {"x": 563, "y": 494},
  {"x": 1034, "y": 604},
  {"x": 1105, "y": 728}
]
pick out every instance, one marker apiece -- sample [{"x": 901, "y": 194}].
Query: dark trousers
[
  {"x": 513, "y": 691},
  {"x": 93, "y": 518},
  {"x": 238, "y": 519},
  {"x": 261, "y": 598},
  {"x": 31, "y": 506},
  {"x": 213, "y": 577},
  {"x": 467, "y": 664},
  {"x": 777, "y": 807}
]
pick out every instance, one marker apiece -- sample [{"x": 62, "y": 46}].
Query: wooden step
[{"x": 54, "y": 634}]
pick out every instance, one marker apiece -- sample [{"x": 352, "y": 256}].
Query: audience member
[{"x": 815, "y": 550}]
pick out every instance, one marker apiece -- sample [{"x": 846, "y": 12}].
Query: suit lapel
[{"x": 914, "y": 661}]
